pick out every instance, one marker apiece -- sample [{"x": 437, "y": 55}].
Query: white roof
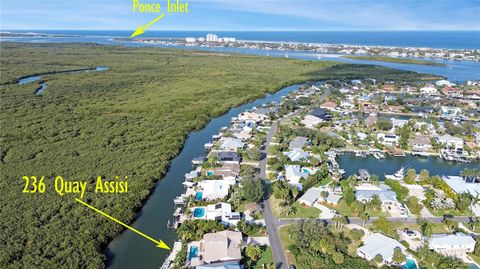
[
  {"x": 296, "y": 154},
  {"x": 213, "y": 189},
  {"x": 450, "y": 240},
  {"x": 458, "y": 185},
  {"x": 378, "y": 243},
  {"x": 384, "y": 195},
  {"x": 293, "y": 173},
  {"x": 311, "y": 195}
]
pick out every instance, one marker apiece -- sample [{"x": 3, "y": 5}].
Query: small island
[{"x": 392, "y": 60}]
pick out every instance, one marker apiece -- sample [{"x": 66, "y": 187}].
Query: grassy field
[
  {"x": 301, "y": 210},
  {"x": 394, "y": 60},
  {"x": 286, "y": 241},
  {"x": 128, "y": 121}
]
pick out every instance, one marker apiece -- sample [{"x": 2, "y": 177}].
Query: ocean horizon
[{"x": 428, "y": 39}]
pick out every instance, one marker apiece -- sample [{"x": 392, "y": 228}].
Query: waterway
[
  {"x": 132, "y": 251},
  {"x": 436, "y": 166},
  {"x": 43, "y": 86}
]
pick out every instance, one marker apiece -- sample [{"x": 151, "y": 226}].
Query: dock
[{"x": 177, "y": 246}]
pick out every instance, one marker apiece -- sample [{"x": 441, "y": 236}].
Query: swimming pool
[
  {"x": 199, "y": 212},
  {"x": 210, "y": 173},
  {"x": 198, "y": 196},
  {"x": 410, "y": 264},
  {"x": 193, "y": 252}
]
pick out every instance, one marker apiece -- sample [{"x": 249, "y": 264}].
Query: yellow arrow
[
  {"x": 160, "y": 243},
  {"x": 141, "y": 29}
]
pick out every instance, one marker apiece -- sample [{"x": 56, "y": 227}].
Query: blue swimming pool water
[
  {"x": 199, "y": 212},
  {"x": 210, "y": 173},
  {"x": 474, "y": 266},
  {"x": 410, "y": 264},
  {"x": 198, "y": 196},
  {"x": 193, "y": 252}
]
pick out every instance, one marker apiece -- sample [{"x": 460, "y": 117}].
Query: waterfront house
[
  {"x": 452, "y": 245},
  {"x": 420, "y": 143},
  {"x": 389, "y": 98},
  {"x": 293, "y": 174},
  {"x": 243, "y": 135},
  {"x": 311, "y": 121},
  {"x": 221, "y": 212},
  {"x": 429, "y": 90},
  {"x": 379, "y": 244},
  {"x": 450, "y": 112},
  {"x": 398, "y": 123},
  {"x": 215, "y": 189},
  {"x": 231, "y": 144},
  {"x": 321, "y": 114},
  {"x": 296, "y": 155},
  {"x": 388, "y": 139},
  {"x": 216, "y": 250},
  {"x": 453, "y": 143},
  {"x": 228, "y": 171},
  {"x": 252, "y": 116}
]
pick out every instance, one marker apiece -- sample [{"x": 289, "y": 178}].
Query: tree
[
  {"x": 398, "y": 256},
  {"x": 474, "y": 221},
  {"x": 426, "y": 228},
  {"x": 410, "y": 176},
  {"x": 424, "y": 175},
  {"x": 254, "y": 154},
  {"x": 414, "y": 205},
  {"x": 378, "y": 259},
  {"x": 364, "y": 217},
  {"x": 450, "y": 224},
  {"x": 253, "y": 252},
  {"x": 289, "y": 210},
  {"x": 384, "y": 124},
  {"x": 252, "y": 190}
]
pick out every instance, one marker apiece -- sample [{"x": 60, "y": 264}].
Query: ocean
[{"x": 430, "y": 39}]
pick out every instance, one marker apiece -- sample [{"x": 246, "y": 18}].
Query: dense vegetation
[
  {"x": 128, "y": 121},
  {"x": 394, "y": 60}
]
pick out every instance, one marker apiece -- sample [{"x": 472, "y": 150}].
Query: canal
[
  {"x": 132, "y": 251},
  {"x": 436, "y": 166}
]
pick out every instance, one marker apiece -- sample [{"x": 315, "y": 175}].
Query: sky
[{"x": 238, "y": 15}]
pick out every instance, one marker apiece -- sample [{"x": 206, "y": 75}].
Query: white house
[
  {"x": 347, "y": 104},
  {"x": 231, "y": 144},
  {"x": 310, "y": 196},
  {"x": 379, "y": 244},
  {"x": 420, "y": 143},
  {"x": 311, "y": 121},
  {"x": 449, "y": 111},
  {"x": 215, "y": 189},
  {"x": 253, "y": 116},
  {"x": 296, "y": 155},
  {"x": 293, "y": 174},
  {"x": 451, "y": 141},
  {"x": 220, "y": 212},
  {"x": 452, "y": 244},
  {"x": 388, "y": 139},
  {"x": 387, "y": 197},
  {"x": 429, "y": 90}
]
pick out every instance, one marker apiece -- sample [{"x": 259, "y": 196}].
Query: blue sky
[{"x": 367, "y": 15}]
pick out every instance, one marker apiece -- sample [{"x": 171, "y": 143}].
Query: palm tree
[
  {"x": 474, "y": 221},
  {"x": 253, "y": 252},
  {"x": 364, "y": 217},
  {"x": 289, "y": 210},
  {"x": 425, "y": 228}
]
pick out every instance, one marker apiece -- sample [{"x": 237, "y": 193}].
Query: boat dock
[{"x": 177, "y": 246}]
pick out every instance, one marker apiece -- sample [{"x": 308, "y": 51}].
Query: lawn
[
  {"x": 343, "y": 209},
  {"x": 286, "y": 241},
  {"x": 301, "y": 210},
  {"x": 266, "y": 258}
]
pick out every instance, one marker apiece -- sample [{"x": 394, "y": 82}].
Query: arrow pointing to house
[
  {"x": 159, "y": 243},
  {"x": 141, "y": 29}
]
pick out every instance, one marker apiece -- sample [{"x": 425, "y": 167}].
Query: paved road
[
  {"x": 356, "y": 220},
  {"x": 271, "y": 222}
]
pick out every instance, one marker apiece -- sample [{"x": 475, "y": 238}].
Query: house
[
  {"x": 443, "y": 83},
  {"x": 227, "y": 157},
  {"x": 450, "y": 112},
  {"x": 228, "y": 171},
  {"x": 311, "y": 121},
  {"x": 321, "y": 114},
  {"x": 379, "y": 244},
  {"x": 452, "y": 91},
  {"x": 215, "y": 189},
  {"x": 452, "y": 142},
  {"x": 231, "y": 144},
  {"x": 310, "y": 196},
  {"x": 420, "y": 143},
  {"x": 459, "y": 185},
  {"x": 456, "y": 245},
  {"x": 387, "y": 197},
  {"x": 398, "y": 123},
  {"x": 216, "y": 250},
  {"x": 221, "y": 212},
  {"x": 252, "y": 116},
  {"x": 388, "y": 87},
  {"x": 389, "y": 98},
  {"x": 347, "y": 104},
  {"x": 243, "y": 135},
  {"x": 296, "y": 155},
  {"x": 371, "y": 120},
  {"x": 293, "y": 174},
  {"x": 329, "y": 105},
  {"x": 422, "y": 109},
  {"x": 298, "y": 142},
  {"x": 429, "y": 90},
  {"x": 388, "y": 139}
]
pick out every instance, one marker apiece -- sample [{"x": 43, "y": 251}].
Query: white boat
[{"x": 399, "y": 175}]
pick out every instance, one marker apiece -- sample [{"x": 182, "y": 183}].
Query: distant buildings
[
  {"x": 456, "y": 245},
  {"x": 210, "y": 38}
]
